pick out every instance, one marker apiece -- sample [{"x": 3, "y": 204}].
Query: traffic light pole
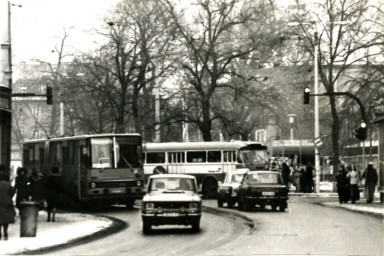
[{"x": 345, "y": 94}]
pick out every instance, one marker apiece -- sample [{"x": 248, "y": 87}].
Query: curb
[
  {"x": 117, "y": 225},
  {"x": 225, "y": 213},
  {"x": 356, "y": 210}
]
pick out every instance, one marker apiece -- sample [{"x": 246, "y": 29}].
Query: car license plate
[
  {"x": 268, "y": 193},
  {"x": 171, "y": 214},
  {"x": 117, "y": 190}
]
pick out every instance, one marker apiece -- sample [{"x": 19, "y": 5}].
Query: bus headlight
[
  {"x": 149, "y": 206},
  {"x": 93, "y": 185},
  {"x": 139, "y": 183}
]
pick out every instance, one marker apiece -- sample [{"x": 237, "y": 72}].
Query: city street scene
[{"x": 192, "y": 127}]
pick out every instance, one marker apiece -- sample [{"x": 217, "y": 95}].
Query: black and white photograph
[{"x": 192, "y": 127}]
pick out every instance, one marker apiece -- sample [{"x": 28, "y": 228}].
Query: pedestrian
[
  {"x": 7, "y": 211},
  {"x": 285, "y": 172},
  {"x": 342, "y": 185},
  {"x": 36, "y": 188},
  {"x": 370, "y": 177},
  {"x": 308, "y": 177},
  {"x": 297, "y": 177},
  {"x": 21, "y": 187},
  {"x": 354, "y": 181},
  {"x": 50, "y": 197}
]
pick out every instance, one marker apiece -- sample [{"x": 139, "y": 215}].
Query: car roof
[
  {"x": 251, "y": 172},
  {"x": 171, "y": 176}
]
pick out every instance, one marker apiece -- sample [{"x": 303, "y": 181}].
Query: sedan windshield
[{"x": 172, "y": 184}]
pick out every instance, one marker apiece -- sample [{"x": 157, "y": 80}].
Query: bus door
[
  {"x": 83, "y": 153},
  {"x": 229, "y": 161},
  {"x": 176, "y": 162}
]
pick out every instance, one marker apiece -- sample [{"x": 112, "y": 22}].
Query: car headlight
[
  {"x": 93, "y": 185},
  {"x": 149, "y": 205},
  {"x": 193, "y": 206},
  {"x": 139, "y": 183}
]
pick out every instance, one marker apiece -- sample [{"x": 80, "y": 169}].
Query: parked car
[
  {"x": 227, "y": 191},
  {"x": 171, "y": 199},
  {"x": 262, "y": 188}
]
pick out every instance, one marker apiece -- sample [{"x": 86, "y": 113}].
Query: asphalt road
[{"x": 305, "y": 228}]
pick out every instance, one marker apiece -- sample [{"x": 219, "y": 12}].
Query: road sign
[{"x": 318, "y": 142}]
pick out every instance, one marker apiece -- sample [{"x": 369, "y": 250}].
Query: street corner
[
  {"x": 376, "y": 208},
  {"x": 67, "y": 229}
]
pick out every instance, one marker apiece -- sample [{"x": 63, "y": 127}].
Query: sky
[{"x": 38, "y": 26}]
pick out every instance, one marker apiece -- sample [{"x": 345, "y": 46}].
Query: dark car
[
  {"x": 171, "y": 199},
  {"x": 262, "y": 188}
]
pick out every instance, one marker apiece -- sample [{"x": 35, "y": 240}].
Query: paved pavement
[{"x": 76, "y": 227}]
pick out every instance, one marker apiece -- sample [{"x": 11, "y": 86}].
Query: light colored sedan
[{"x": 171, "y": 199}]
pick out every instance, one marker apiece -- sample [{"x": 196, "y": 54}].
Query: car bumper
[
  {"x": 265, "y": 199},
  {"x": 171, "y": 218}
]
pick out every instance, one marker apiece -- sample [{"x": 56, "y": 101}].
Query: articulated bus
[
  {"x": 90, "y": 169},
  {"x": 207, "y": 161}
]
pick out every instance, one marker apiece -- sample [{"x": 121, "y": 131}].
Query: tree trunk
[
  {"x": 206, "y": 125},
  {"x": 335, "y": 135}
]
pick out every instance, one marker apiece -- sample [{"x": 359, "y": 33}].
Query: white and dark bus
[
  {"x": 90, "y": 169},
  {"x": 207, "y": 161}
]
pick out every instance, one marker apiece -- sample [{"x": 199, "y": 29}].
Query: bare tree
[
  {"x": 222, "y": 32},
  {"x": 344, "y": 32}
]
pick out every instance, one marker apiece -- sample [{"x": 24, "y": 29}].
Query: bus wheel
[
  {"x": 210, "y": 188},
  {"x": 159, "y": 170},
  {"x": 129, "y": 203}
]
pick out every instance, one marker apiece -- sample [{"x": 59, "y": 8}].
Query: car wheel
[
  {"x": 146, "y": 227},
  {"x": 196, "y": 226},
  {"x": 283, "y": 206},
  {"x": 210, "y": 188},
  {"x": 248, "y": 205},
  {"x": 231, "y": 203},
  {"x": 220, "y": 202},
  {"x": 240, "y": 205},
  {"x": 129, "y": 204}
]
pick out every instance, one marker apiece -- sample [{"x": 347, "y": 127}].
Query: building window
[{"x": 260, "y": 135}]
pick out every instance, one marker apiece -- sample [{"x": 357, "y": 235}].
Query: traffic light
[
  {"x": 49, "y": 95},
  {"x": 361, "y": 132},
  {"x": 307, "y": 92}
]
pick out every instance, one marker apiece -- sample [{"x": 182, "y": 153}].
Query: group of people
[
  {"x": 302, "y": 177},
  {"x": 348, "y": 180},
  {"x": 26, "y": 188}
]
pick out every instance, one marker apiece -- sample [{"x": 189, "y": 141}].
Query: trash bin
[{"x": 28, "y": 218}]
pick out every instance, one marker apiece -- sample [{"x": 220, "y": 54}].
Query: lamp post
[{"x": 291, "y": 121}]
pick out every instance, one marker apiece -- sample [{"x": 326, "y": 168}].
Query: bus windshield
[
  {"x": 253, "y": 156},
  {"x": 125, "y": 154}
]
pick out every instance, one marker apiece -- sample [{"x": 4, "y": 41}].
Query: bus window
[
  {"x": 102, "y": 152},
  {"x": 155, "y": 157},
  {"x": 196, "y": 156},
  {"x": 128, "y": 153},
  {"x": 176, "y": 157},
  {"x": 214, "y": 156},
  {"x": 229, "y": 156}
]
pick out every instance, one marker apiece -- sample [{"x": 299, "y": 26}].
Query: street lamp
[{"x": 291, "y": 121}]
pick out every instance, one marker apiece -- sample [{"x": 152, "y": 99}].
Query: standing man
[
  {"x": 309, "y": 177},
  {"x": 370, "y": 176}
]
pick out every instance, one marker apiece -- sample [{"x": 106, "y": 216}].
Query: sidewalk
[{"x": 67, "y": 228}]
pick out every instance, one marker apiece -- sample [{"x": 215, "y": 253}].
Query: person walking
[
  {"x": 7, "y": 212},
  {"x": 354, "y": 180},
  {"x": 308, "y": 178},
  {"x": 21, "y": 187},
  {"x": 370, "y": 176},
  {"x": 297, "y": 177},
  {"x": 342, "y": 185},
  {"x": 36, "y": 188},
  {"x": 285, "y": 172}
]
